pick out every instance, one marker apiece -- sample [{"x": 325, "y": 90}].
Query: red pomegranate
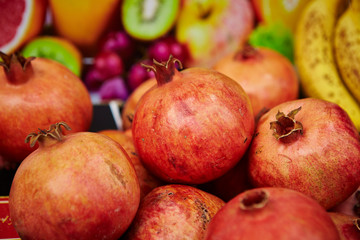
[
  {"x": 35, "y": 93},
  {"x": 174, "y": 212},
  {"x": 267, "y": 77},
  {"x": 272, "y": 214},
  {"x": 147, "y": 181},
  {"x": 309, "y": 145},
  {"x": 194, "y": 126},
  {"x": 347, "y": 225},
  {"x": 78, "y": 186},
  {"x": 350, "y": 206}
]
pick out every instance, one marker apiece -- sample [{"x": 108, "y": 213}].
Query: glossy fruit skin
[
  {"x": 174, "y": 212},
  {"x": 266, "y": 76},
  {"x": 329, "y": 144},
  {"x": 83, "y": 187},
  {"x": 51, "y": 94},
  {"x": 147, "y": 181},
  {"x": 286, "y": 214},
  {"x": 193, "y": 128}
]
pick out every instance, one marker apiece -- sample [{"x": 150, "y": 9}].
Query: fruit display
[{"x": 180, "y": 119}]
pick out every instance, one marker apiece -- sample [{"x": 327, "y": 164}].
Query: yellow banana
[
  {"x": 314, "y": 57},
  {"x": 347, "y": 47}
]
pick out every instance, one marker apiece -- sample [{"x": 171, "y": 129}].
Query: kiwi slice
[{"x": 149, "y": 19}]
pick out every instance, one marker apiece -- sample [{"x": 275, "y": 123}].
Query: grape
[
  {"x": 114, "y": 88},
  {"x": 119, "y": 42},
  {"x": 161, "y": 49},
  {"x": 93, "y": 79},
  {"x": 109, "y": 64},
  {"x": 138, "y": 74}
]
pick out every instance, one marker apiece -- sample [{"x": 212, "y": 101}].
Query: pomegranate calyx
[
  {"x": 164, "y": 71},
  {"x": 53, "y": 132},
  {"x": 254, "y": 199},
  {"x": 357, "y": 223},
  {"x": 286, "y": 125},
  {"x": 14, "y": 59},
  {"x": 247, "y": 52}
]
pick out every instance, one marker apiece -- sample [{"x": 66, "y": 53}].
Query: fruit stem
[
  {"x": 286, "y": 127},
  {"x": 43, "y": 136},
  {"x": 17, "y": 67},
  {"x": 164, "y": 71},
  {"x": 254, "y": 199}
]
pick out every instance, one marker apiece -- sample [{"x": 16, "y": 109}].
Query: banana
[
  {"x": 314, "y": 56},
  {"x": 347, "y": 47}
]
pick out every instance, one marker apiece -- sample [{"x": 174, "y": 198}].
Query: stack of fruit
[{"x": 220, "y": 139}]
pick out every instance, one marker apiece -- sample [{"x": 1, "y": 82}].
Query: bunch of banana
[
  {"x": 347, "y": 47},
  {"x": 315, "y": 58}
]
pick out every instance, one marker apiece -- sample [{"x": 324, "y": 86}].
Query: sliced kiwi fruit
[{"x": 149, "y": 19}]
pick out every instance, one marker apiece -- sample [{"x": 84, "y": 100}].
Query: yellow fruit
[
  {"x": 314, "y": 58},
  {"x": 347, "y": 47}
]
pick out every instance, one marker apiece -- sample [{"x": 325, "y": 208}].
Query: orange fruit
[
  {"x": 83, "y": 21},
  {"x": 20, "y": 21}
]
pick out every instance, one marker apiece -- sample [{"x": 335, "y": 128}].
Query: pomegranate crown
[
  {"x": 54, "y": 132},
  {"x": 16, "y": 57},
  {"x": 164, "y": 71},
  {"x": 286, "y": 125}
]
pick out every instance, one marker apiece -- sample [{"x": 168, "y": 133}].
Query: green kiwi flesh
[{"x": 149, "y": 19}]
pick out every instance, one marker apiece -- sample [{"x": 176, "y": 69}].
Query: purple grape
[
  {"x": 138, "y": 74},
  {"x": 109, "y": 64},
  {"x": 119, "y": 42},
  {"x": 114, "y": 88},
  {"x": 93, "y": 79},
  {"x": 161, "y": 49}
]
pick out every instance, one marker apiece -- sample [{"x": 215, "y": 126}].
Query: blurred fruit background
[{"x": 105, "y": 42}]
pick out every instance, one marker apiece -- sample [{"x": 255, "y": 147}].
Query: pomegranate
[
  {"x": 128, "y": 111},
  {"x": 272, "y": 213},
  {"x": 229, "y": 185},
  {"x": 146, "y": 180},
  {"x": 309, "y": 145},
  {"x": 174, "y": 212},
  {"x": 194, "y": 126},
  {"x": 36, "y": 93},
  {"x": 351, "y": 205},
  {"x": 267, "y": 77},
  {"x": 348, "y": 226},
  {"x": 78, "y": 186}
]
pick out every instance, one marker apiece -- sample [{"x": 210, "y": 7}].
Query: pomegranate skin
[
  {"x": 147, "y": 180},
  {"x": 174, "y": 212},
  {"x": 266, "y": 76},
  {"x": 323, "y": 162},
  {"x": 193, "y": 128},
  {"x": 347, "y": 225},
  {"x": 83, "y": 187},
  {"x": 272, "y": 214},
  {"x": 49, "y": 93}
]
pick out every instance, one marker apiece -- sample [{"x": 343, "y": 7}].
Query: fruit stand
[{"x": 180, "y": 119}]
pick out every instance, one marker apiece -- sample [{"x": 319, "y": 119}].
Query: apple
[
  {"x": 211, "y": 29},
  {"x": 284, "y": 11}
]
